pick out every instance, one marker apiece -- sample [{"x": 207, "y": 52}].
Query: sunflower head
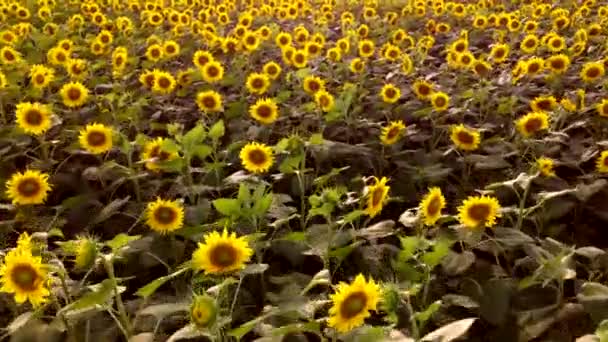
[
  {"x": 265, "y": 111},
  {"x": 33, "y": 118},
  {"x": 164, "y": 82},
  {"x": 543, "y": 103},
  {"x": 422, "y": 89},
  {"x": 532, "y": 123},
  {"x": 164, "y": 216},
  {"x": 272, "y": 69},
  {"x": 431, "y": 205},
  {"x": 96, "y": 138},
  {"x": 499, "y": 52},
  {"x": 221, "y": 253},
  {"x": 557, "y": 63},
  {"x": 352, "y": 303},
  {"x": 479, "y": 211},
  {"x": 392, "y": 132},
  {"x": 74, "y": 94},
  {"x": 357, "y": 65},
  {"x": 209, "y": 101},
  {"x": 25, "y": 276},
  {"x": 324, "y": 100},
  {"x": 312, "y": 84},
  {"x": 440, "y": 101},
  {"x": 592, "y": 71},
  {"x": 299, "y": 58},
  {"x": 545, "y": 166},
  {"x": 153, "y": 154},
  {"x": 390, "y": 93},
  {"x": 30, "y": 187},
  {"x": 257, "y": 83},
  {"x": 256, "y": 157},
  {"x": 203, "y": 311},
  {"x": 377, "y": 195},
  {"x": 465, "y": 138},
  {"x": 601, "y": 163}
]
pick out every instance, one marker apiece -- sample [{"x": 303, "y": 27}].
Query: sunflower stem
[
  {"x": 522, "y": 203},
  {"x": 124, "y": 318},
  {"x": 44, "y": 149},
  {"x": 134, "y": 179}
]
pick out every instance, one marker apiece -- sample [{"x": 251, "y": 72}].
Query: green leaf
[
  {"x": 235, "y": 109},
  {"x": 102, "y": 294},
  {"x": 193, "y": 138},
  {"x": 110, "y": 210},
  {"x": 121, "y": 240},
  {"x": 352, "y": 216},
  {"x": 283, "y": 96},
  {"x": 430, "y": 311},
  {"x": 227, "y": 206},
  {"x": 434, "y": 257},
  {"x": 169, "y": 146},
  {"x": 217, "y": 130},
  {"x": 262, "y": 205},
  {"x": 244, "y": 193},
  {"x": 409, "y": 244},
  {"x": 302, "y": 73},
  {"x": 202, "y": 151},
  {"x": 149, "y": 289}
]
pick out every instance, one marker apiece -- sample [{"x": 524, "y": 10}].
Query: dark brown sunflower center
[
  {"x": 392, "y": 133},
  {"x": 324, "y": 101},
  {"x": 459, "y": 47},
  {"x": 202, "y": 60},
  {"x": 165, "y": 215},
  {"x": 424, "y": 90},
  {"x": 283, "y": 41},
  {"x": 209, "y": 102},
  {"x": 530, "y": 43},
  {"x": 66, "y": 46},
  {"x": 544, "y": 104},
  {"x": 96, "y": 138},
  {"x": 213, "y": 71},
  {"x": 312, "y": 49},
  {"x": 105, "y": 39},
  {"x": 223, "y": 255},
  {"x": 257, "y": 157},
  {"x": 149, "y": 80},
  {"x": 480, "y": 68},
  {"x": 556, "y": 43},
  {"x": 465, "y": 59},
  {"x": 28, "y": 187},
  {"x": 434, "y": 206},
  {"x": 264, "y": 111},
  {"x": 119, "y": 60},
  {"x": 251, "y": 40},
  {"x": 25, "y": 277},
  {"x": 164, "y": 82},
  {"x": 440, "y": 101},
  {"x": 377, "y": 195},
  {"x": 155, "y": 53},
  {"x": 465, "y": 137},
  {"x": 314, "y": 86},
  {"x": 299, "y": 58},
  {"x": 533, "y": 125},
  {"x": 479, "y": 212},
  {"x": 257, "y": 83},
  {"x": 499, "y": 53},
  {"x": 39, "y": 78},
  {"x": 390, "y": 93},
  {"x": 353, "y": 305},
  {"x": 366, "y": 48},
  {"x": 74, "y": 94},
  {"x": 33, "y": 117},
  {"x": 558, "y": 64},
  {"x": 593, "y": 72},
  {"x": 9, "y": 56},
  {"x": 271, "y": 70},
  {"x": 170, "y": 49}
]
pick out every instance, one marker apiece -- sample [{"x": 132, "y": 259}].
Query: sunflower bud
[
  {"x": 203, "y": 311},
  {"x": 86, "y": 252}
]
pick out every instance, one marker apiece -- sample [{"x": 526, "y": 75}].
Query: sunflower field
[{"x": 303, "y": 170}]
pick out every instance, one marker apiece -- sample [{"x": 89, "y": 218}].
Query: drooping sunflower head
[
  {"x": 154, "y": 153},
  {"x": 431, "y": 205},
  {"x": 256, "y": 157},
  {"x": 377, "y": 195},
  {"x": 422, "y": 89},
  {"x": 592, "y": 71},
  {"x": 545, "y": 166},
  {"x": 209, "y": 101},
  {"x": 25, "y": 276},
  {"x": 352, "y": 303},
  {"x": 324, "y": 100},
  {"x": 85, "y": 253},
  {"x": 33, "y": 118},
  {"x": 265, "y": 111},
  {"x": 74, "y": 94},
  {"x": 164, "y": 82},
  {"x": 164, "y": 216},
  {"x": 390, "y": 93},
  {"x": 221, "y": 253},
  {"x": 479, "y": 211},
  {"x": 532, "y": 123},
  {"x": 440, "y": 101},
  {"x": 203, "y": 311},
  {"x": 392, "y": 132},
  {"x": 312, "y": 84},
  {"x": 257, "y": 83},
  {"x": 96, "y": 138},
  {"x": 465, "y": 138},
  {"x": 29, "y": 187},
  {"x": 601, "y": 164},
  {"x": 543, "y": 103}
]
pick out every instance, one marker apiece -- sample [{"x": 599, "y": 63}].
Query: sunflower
[
  {"x": 534, "y": 65},
  {"x": 313, "y": 84},
  {"x": 96, "y": 138},
  {"x": 324, "y": 100},
  {"x": 203, "y": 311},
  {"x": 264, "y": 111},
  {"x": 9, "y": 56},
  {"x": 24, "y": 275},
  {"x": 357, "y": 65},
  {"x": 392, "y": 132},
  {"x": 74, "y": 94},
  {"x": 299, "y": 59},
  {"x": 352, "y": 303},
  {"x": 164, "y": 82},
  {"x": 465, "y": 138},
  {"x": 556, "y": 43},
  {"x": 29, "y": 187},
  {"x": 164, "y": 216},
  {"x": 601, "y": 163},
  {"x": 543, "y": 103},
  {"x": 592, "y": 71},
  {"x": 558, "y": 64},
  {"x": 33, "y": 118},
  {"x": 283, "y": 39},
  {"x": 440, "y": 101},
  {"x": 422, "y": 89},
  {"x": 256, "y": 157},
  {"x": 478, "y": 211},
  {"x": 154, "y": 52},
  {"x": 482, "y": 68},
  {"x": 532, "y": 122},
  {"x": 212, "y": 71},
  {"x": 545, "y": 166},
  {"x": 209, "y": 101},
  {"x": 390, "y": 93},
  {"x": 272, "y": 69},
  {"x": 602, "y": 108},
  {"x": 3, "y": 81},
  {"x": 431, "y": 205},
  {"x": 334, "y": 54},
  {"x": 250, "y": 41},
  {"x": 58, "y": 56},
  {"x": 153, "y": 154},
  {"x": 407, "y": 65},
  {"x": 41, "y": 76},
  {"x": 529, "y": 44},
  {"x": 377, "y": 195},
  {"x": 171, "y": 48},
  {"x": 500, "y": 52},
  {"x": 105, "y": 37},
  {"x": 366, "y": 48},
  {"x": 567, "y": 105},
  {"x": 185, "y": 77},
  {"x": 257, "y": 83},
  {"x": 221, "y": 253},
  {"x": 201, "y": 58}
]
